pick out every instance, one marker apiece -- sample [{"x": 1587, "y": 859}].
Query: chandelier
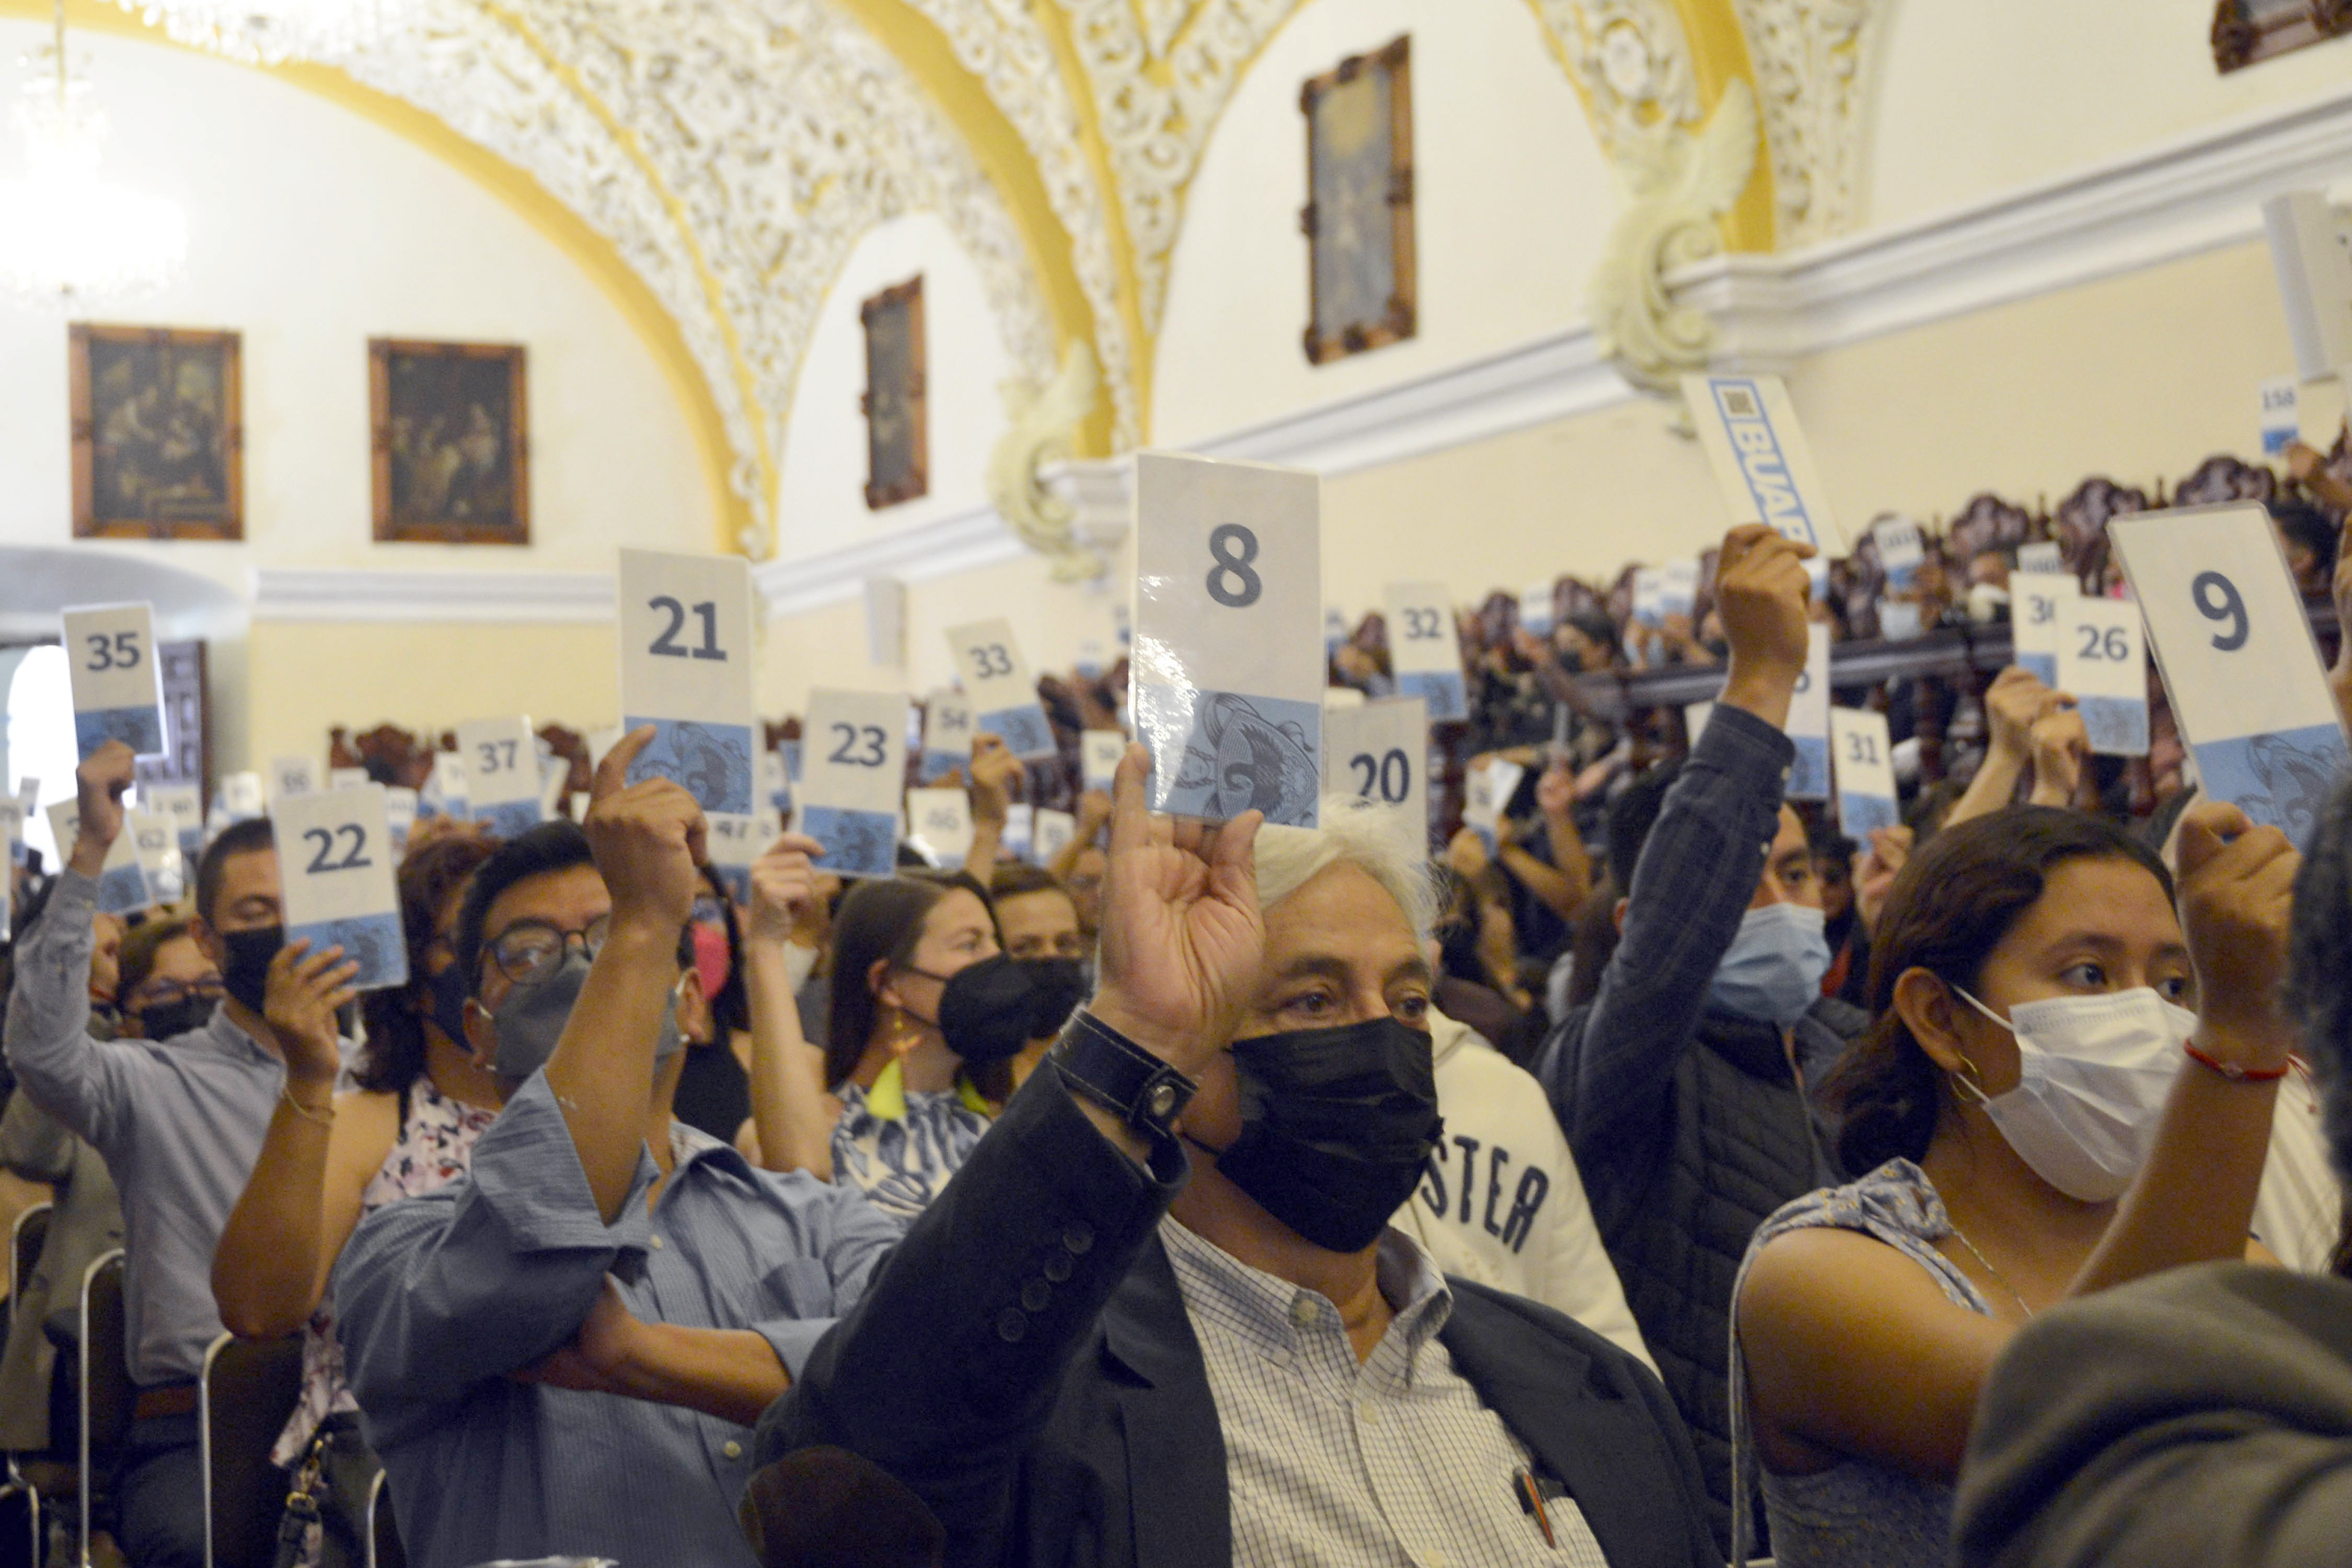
[
  {"x": 66, "y": 236},
  {"x": 271, "y": 32}
]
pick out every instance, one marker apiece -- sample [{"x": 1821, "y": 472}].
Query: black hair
[
  {"x": 429, "y": 873},
  {"x": 1952, "y": 903},
  {"x": 880, "y": 919},
  {"x": 2319, "y": 970},
  {"x": 1632, "y": 815},
  {"x": 1018, "y": 879},
  {"x": 556, "y": 845},
  {"x": 1599, "y": 629},
  {"x": 2308, "y": 526},
  {"x": 730, "y": 1010},
  {"x": 237, "y": 839}
]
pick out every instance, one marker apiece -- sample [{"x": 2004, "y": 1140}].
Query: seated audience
[
  {"x": 422, "y": 1100},
  {"x": 2033, "y": 995},
  {"x": 179, "y": 1123},
  {"x": 558, "y": 1353},
  {"x": 1681, "y": 1084},
  {"x": 2202, "y": 1419},
  {"x": 1249, "y": 1365}
]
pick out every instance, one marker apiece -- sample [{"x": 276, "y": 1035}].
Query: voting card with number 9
[
  {"x": 2239, "y": 663},
  {"x": 1228, "y": 688}
]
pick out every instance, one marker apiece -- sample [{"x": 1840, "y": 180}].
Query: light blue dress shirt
[
  {"x": 438, "y": 1298},
  {"x": 179, "y": 1124}
]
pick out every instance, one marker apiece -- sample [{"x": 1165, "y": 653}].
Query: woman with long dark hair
[{"x": 2062, "y": 1091}]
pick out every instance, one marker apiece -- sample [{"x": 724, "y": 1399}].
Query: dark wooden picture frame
[
  {"x": 449, "y": 434},
  {"x": 2247, "y": 31},
  {"x": 1357, "y": 218},
  {"x": 158, "y": 433},
  {"x": 895, "y": 403}
]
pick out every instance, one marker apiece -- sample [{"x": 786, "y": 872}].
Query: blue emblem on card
[
  {"x": 1861, "y": 814},
  {"x": 1023, "y": 729},
  {"x": 1440, "y": 689},
  {"x": 712, "y": 762},
  {"x": 857, "y": 843},
  {"x": 1809, "y": 774},
  {"x": 2116, "y": 725},
  {"x": 1239, "y": 753},
  {"x": 372, "y": 942},
  {"x": 1762, "y": 464},
  {"x": 122, "y": 890},
  {"x": 141, "y": 729},
  {"x": 509, "y": 818},
  {"x": 938, "y": 765},
  {"x": 2043, "y": 667},
  {"x": 2281, "y": 780}
]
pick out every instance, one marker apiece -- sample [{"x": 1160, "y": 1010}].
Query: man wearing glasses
[{"x": 560, "y": 1354}]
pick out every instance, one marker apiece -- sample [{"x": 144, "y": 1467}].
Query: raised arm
[
  {"x": 1698, "y": 871},
  {"x": 647, "y": 838},
  {"x": 82, "y": 1081},
  {"x": 271, "y": 1268},
  {"x": 790, "y": 1111},
  {"x": 2013, "y": 703},
  {"x": 994, "y": 771},
  {"x": 1094, "y": 812}
]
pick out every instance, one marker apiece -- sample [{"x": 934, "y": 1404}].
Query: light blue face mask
[{"x": 1772, "y": 970}]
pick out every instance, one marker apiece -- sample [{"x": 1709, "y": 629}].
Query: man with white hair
[{"x": 1096, "y": 1348}]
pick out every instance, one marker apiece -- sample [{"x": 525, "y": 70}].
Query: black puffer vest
[{"x": 1741, "y": 1144}]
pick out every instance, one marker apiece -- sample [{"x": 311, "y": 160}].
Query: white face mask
[{"x": 2092, "y": 1075}]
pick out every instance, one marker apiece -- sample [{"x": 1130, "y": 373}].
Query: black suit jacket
[{"x": 1025, "y": 1366}]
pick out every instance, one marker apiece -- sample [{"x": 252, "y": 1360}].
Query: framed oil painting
[
  {"x": 158, "y": 439},
  {"x": 898, "y": 424},
  {"x": 2245, "y": 31},
  {"x": 1359, "y": 213},
  {"x": 451, "y": 433}
]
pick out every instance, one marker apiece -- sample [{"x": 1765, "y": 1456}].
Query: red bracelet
[{"x": 2235, "y": 1073}]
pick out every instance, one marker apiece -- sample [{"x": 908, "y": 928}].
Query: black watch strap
[{"x": 1098, "y": 1062}]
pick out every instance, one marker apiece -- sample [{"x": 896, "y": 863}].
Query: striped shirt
[{"x": 1393, "y": 1462}]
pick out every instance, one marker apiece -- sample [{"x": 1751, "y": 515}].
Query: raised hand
[
  {"x": 783, "y": 886},
  {"x": 2014, "y": 703},
  {"x": 2237, "y": 890},
  {"x": 647, "y": 838},
  {"x": 299, "y": 1002},
  {"x": 1761, "y": 592},
  {"x": 1875, "y": 870},
  {"x": 2061, "y": 746},
  {"x": 1094, "y": 812},
  {"x": 994, "y": 771},
  {"x": 1182, "y": 937},
  {"x": 98, "y": 784}
]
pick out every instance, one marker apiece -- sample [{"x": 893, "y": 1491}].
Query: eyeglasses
[{"x": 529, "y": 951}]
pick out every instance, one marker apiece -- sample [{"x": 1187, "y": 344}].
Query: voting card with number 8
[
  {"x": 1228, "y": 687},
  {"x": 2239, "y": 667},
  {"x": 111, "y": 650},
  {"x": 335, "y": 851},
  {"x": 685, "y": 670},
  {"x": 852, "y": 768}
]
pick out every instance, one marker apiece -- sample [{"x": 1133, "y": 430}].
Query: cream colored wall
[
  {"x": 1511, "y": 202},
  {"x": 304, "y": 677},
  {"x": 1981, "y": 97},
  {"x": 822, "y": 501},
  {"x": 310, "y": 231}
]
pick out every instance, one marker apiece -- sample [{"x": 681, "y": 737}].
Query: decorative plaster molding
[
  {"x": 1681, "y": 182},
  {"x": 733, "y": 156},
  {"x": 362, "y": 594},
  {"x": 1632, "y": 61},
  {"x": 2162, "y": 203},
  {"x": 1040, "y": 426},
  {"x": 1811, "y": 60}
]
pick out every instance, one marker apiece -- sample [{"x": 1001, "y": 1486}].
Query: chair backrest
[
  {"x": 107, "y": 1393},
  {"x": 249, "y": 1389},
  {"x": 25, "y": 1243}
]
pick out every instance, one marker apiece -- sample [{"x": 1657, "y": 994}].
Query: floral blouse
[{"x": 435, "y": 1144}]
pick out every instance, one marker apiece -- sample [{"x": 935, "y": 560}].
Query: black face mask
[
  {"x": 168, "y": 1020},
  {"x": 1337, "y": 1125},
  {"x": 989, "y": 1010},
  {"x": 244, "y": 971},
  {"x": 448, "y": 992}
]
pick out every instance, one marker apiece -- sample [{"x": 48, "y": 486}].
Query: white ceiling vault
[{"x": 732, "y": 152}]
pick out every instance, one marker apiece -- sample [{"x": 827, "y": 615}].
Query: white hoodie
[{"x": 1505, "y": 1207}]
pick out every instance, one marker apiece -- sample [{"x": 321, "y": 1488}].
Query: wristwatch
[{"x": 1120, "y": 1076}]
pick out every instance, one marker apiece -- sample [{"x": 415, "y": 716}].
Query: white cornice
[
  {"x": 2158, "y": 203},
  {"x": 362, "y": 594}
]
